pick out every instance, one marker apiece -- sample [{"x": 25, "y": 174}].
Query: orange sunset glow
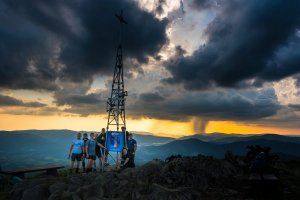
[
  {"x": 243, "y": 128},
  {"x": 154, "y": 126}
]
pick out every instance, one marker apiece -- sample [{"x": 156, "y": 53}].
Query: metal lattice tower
[{"x": 116, "y": 102}]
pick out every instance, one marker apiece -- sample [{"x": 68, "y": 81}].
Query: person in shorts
[
  {"x": 91, "y": 151},
  {"x": 102, "y": 153},
  {"x": 85, "y": 139},
  {"x": 132, "y": 147},
  {"x": 97, "y": 148},
  {"x": 75, "y": 152}
]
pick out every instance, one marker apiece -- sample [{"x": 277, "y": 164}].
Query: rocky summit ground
[{"x": 198, "y": 177}]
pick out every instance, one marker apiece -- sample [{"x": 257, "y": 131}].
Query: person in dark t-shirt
[
  {"x": 97, "y": 149},
  {"x": 123, "y": 129},
  {"x": 85, "y": 138},
  {"x": 132, "y": 147},
  {"x": 102, "y": 153},
  {"x": 124, "y": 159}
]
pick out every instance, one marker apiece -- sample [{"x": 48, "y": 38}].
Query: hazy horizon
[{"x": 157, "y": 134}]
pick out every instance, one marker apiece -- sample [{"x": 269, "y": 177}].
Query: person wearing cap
[{"x": 132, "y": 147}]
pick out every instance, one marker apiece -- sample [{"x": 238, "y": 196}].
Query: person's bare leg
[
  {"x": 72, "y": 166},
  {"x": 90, "y": 164},
  {"x": 95, "y": 166},
  {"x": 77, "y": 166},
  {"x": 83, "y": 164},
  {"x": 102, "y": 162}
]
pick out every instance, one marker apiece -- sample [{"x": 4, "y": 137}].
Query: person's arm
[
  {"x": 71, "y": 148},
  {"x": 100, "y": 145},
  {"x": 126, "y": 161},
  {"x": 135, "y": 147},
  {"x": 83, "y": 150},
  {"x": 119, "y": 160},
  {"x": 86, "y": 150}
]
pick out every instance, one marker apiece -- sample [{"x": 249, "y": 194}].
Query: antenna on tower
[
  {"x": 116, "y": 102},
  {"x": 122, "y": 21}
]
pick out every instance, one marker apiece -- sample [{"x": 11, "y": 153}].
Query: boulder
[
  {"x": 57, "y": 187},
  {"x": 39, "y": 192},
  {"x": 56, "y": 195},
  {"x": 198, "y": 177}
]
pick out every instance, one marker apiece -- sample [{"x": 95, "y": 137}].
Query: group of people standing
[{"x": 88, "y": 149}]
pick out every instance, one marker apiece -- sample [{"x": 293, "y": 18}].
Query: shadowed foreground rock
[{"x": 197, "y": 177}]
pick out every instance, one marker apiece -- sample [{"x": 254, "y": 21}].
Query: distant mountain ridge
[
  {"x": 62, "y": 136},
  {"x": 229, "y": 138},
  {"x": 193, "y": 146},
  {"x": 34, "y": 147}
]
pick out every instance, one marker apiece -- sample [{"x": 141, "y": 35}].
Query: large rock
[
  {"x": 91, "y": 190},
  {"x": 195, "y": 177},
  {"x": 58, "y": 187},
  {"x": 39, "y": 192},
  {"x": 151, "y": 168},
  {"x": 160, "y": 192},
  {"x": 56, "y": 195}
]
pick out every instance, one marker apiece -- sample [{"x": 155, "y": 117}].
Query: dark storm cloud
[
  {"x": 78, "y": 101},
  {"x": 228, "y": 105},
  {"x": 10, "y": 101},
  {"x": 151, "y": 97},
  {"x": 285, "y": 62},
  {"x": 159, "y": 7},
  {"x": 24, "y": 53},
  {"x": 203, "y": 4},
  {"x": 143, "y": 36},
  {"x": 249, "y": 42},
  {"x": 86, "y": 109},
  {"x": 294, "y": 106},
  {"x": 71, "y": 40},
  {"x": 287, "y": 117},
  {"x": 82, "y": 104}
]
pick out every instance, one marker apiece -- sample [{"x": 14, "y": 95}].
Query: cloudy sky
[{"x": 190, "y": 66}]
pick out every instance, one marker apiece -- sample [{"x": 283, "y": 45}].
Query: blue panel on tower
[{"x": 115, "y": 141}]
